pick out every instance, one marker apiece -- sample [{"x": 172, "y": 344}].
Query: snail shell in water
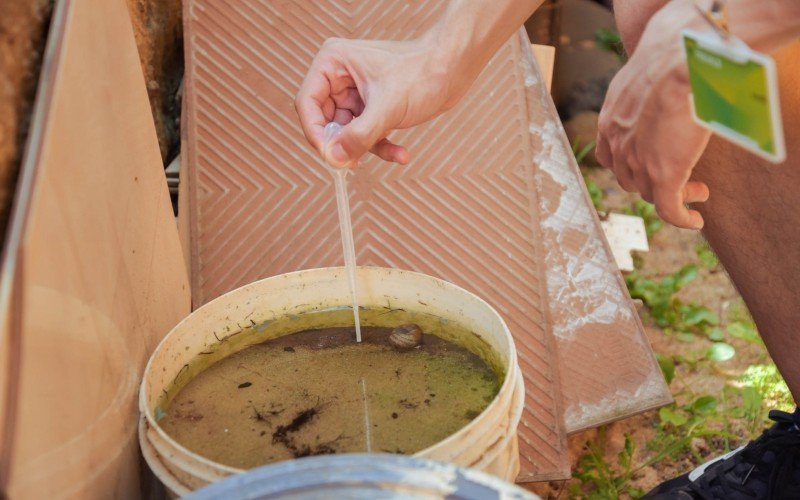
[{"x": 406, "y": 336}]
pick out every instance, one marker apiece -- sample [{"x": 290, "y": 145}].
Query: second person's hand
[{"x": 646, "y": 132}]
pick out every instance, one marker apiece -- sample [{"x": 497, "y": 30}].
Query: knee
[{"x": 632, "y": 17}]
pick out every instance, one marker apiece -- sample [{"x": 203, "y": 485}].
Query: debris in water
[
  {"x": 283, "y": 435},
  {"x": 245, "y": 385},
  {"x": 331, "y": 368},
  {"x": 300, "y": 420}
]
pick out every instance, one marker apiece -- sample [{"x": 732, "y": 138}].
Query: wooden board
[
  {"x": 545, "y": 56},
  {"x": 93, "y": 276}
]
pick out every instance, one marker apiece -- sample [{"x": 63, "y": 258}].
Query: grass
[
  {"x": 595, "y": 193},
  {"x": 647, "y": 211},
  {"x": 609, "y": 40},
  {"x": 608, "y": 481},
  {"x": 702, "y": 423}
]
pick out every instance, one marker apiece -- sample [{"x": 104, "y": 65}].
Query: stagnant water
[{"x": 304, "y": 394}]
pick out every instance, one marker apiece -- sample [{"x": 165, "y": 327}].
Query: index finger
[{"x": 310, "y": 102}]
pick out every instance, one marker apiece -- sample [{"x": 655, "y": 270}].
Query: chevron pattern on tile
[{"x": 465, "y": 210}]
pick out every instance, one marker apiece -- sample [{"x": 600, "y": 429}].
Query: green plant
[
  {"x": 704, "y": 417},
  {"x": 667, "y": 310},
  {"x": 609, "y": 39},
  {"x": 601, "y": 480},
  {"x": 753, "y": 409},
  {"x": 595, "y": 193},
  {"x": 692, "y": 414},
  {"x": 647, "y": 211},
  {"x": 582, "y": 152},
  {"x": 667, "y": 365},
  {"x": 720, "y": 351},
  {"x": 769, "y": 383},
  {"x": 745, "y": 330},
  {"x": 706, "y": 255},
  {"x": 658, "y": 295}
]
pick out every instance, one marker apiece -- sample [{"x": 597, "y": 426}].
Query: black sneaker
[{"x": 767, "y": 468}]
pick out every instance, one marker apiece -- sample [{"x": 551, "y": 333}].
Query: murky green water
[{"x": 312, "y": 392}]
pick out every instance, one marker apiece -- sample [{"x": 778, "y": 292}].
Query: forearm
[
  {"x": 766, "y": 25},
  {"x": 471, "y": 31}
]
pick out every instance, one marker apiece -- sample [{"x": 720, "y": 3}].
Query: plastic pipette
[{"x": 345, "y": 224}]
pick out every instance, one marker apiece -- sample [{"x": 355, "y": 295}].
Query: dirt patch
[
  {"x": 158, "y": 29},
  {"x": 23, "y": 27}
]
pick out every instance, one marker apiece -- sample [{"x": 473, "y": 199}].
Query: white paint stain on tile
[
  {"x": 585, "y": 277},
  {"x": 648, "y": 392}
]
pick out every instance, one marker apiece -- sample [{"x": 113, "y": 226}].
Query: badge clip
[{"x": 717, "y": 17}]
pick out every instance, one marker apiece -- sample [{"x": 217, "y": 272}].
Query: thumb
[{"x": 359, "y": 136}]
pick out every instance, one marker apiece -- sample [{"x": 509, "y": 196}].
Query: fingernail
[{"x": 339, "y": 156}]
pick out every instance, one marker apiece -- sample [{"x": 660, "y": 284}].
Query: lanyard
[{"x": 717, "y": 17}]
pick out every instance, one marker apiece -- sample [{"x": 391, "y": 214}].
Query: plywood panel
[
  {"x": 545, "y": 56},
  {"x": 95, "y": 273}
]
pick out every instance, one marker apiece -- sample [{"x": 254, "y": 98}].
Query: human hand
[
  {"x": 373, "y": 87},
  {"x": 646, "y": 132}
]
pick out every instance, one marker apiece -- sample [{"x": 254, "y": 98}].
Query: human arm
[
  {"x": 646, "y": 132},
  {"x": 374, "y": 87}
]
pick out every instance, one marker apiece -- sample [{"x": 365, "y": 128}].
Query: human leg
[{"x": 753, "y": 223}]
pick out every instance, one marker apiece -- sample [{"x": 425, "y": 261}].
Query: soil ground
[{"x": 22, "y": 33}]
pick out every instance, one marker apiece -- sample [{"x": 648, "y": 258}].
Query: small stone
[{"x": 700, "y": 445}]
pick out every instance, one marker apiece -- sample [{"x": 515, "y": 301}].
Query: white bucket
[{"x": 488, "y": 443}]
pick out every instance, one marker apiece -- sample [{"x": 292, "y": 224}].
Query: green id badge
[{"x": 735, "y": 93}]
